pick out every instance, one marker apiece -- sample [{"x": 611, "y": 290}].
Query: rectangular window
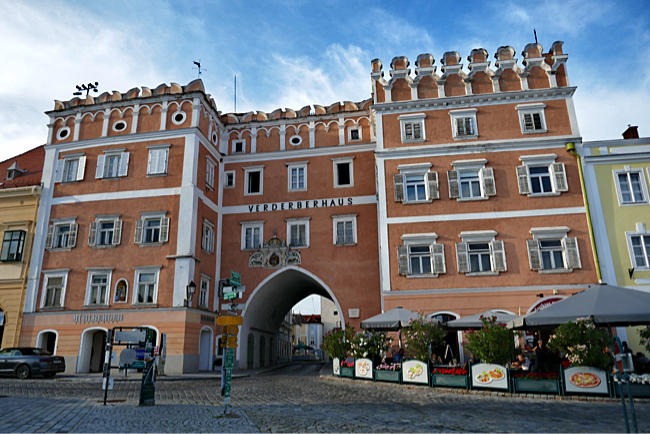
[
  {"x": 13, "y": 243},
  {"x": 229, "y": 179},
  {"x": 420, "y": 259},
  {"x": 540, "y": 179},
  {"x": 343, "y": 172},
  {"x": 98, "y": 288},
  {"x": 469, "y": 183},
  {"x": 238, "y": 146},
  {"x": 631, "y": 187},
  {"x": 641, "y": 250},
  {"x": 70, "y": 169},
  {"x": 412, "y": 130},
  {"x": 415, "y": 183},
  {"x": 146, "y": 286},
  {"x": 531, "y": 118},
  {"x": 463, "y": 123},
  {"x": 552, "y": 254},
  {"x": 354, "y": 134},
  {"x": 412, "y": 127},
  {"x": 480, "y": 253},
  {"x": 297, "y": 177},
  {"x": 421, "y": 256},
  {"x": 252, "y": 233},
  {"x": 209, "y": 173},
  {"x": 204, "y": 293},
  {"x": 532, "y": 121},
  {"x": 464, "y": 126},
  {"x": 298, "y": 233},
  {"x": 61, "y": 235},
  {"x": 105, "y": 231},
  {"x": 207, "y": 240},
  {"x": 479, "y": 257},
  {"x": 151, "y": 230},
  {"x": 552, "y": 251},
  {"x": 415, "y": 187},
  {"x": 53, "y": 292},
  {"x": 541, "y": 175},
  {"x": 157, "y": 164},
  {"x": 345, "y": 229},
  {"x": 253, "y": 181},
  {"x": 112, "y": 164}
]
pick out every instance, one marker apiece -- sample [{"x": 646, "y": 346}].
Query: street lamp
[{"x": 189, "y": 293}]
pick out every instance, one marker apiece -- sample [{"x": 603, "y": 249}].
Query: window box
[
  {"x": 450, "y": 380},
  {"x": 347, "y": 371},
  {"x": 388, "y": 375},
  {"x": 523, "y": 384}
]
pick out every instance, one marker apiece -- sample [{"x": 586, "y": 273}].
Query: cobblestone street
[{"x": 293, "y": 398}]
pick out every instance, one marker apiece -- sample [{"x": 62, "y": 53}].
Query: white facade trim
[
  {"x": 298, "y": 153},
  {"x": 536, "y": 288},
  {"x": 487, "y": 215},
  {"x": 283, "y": 206},
  {"x": 130, "y": 194}
]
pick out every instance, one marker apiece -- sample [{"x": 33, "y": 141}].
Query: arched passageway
[
  {"x": 266, "y": 309},
  {"x": 91, "y": 350}
]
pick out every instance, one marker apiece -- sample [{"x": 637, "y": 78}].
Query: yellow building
[
  {"x": 20, "y": 190},
  {"x": 617, "y": 177}
]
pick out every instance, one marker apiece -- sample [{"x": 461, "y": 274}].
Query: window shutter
[
  {"x": 398, "y": 182},
  {"x": 137, "y": 239},
  {"x": 124, "y": 164},
  {"x": 99, "y": 172},
  {"x": 571, "y": 253},
  {"x": 81, "y": 168},
  {"x": 468, "y": 127},
  {"x": 162, "y": 163},
  {"x": 92, "y": 233},
  {"x": 417, "y": 130},
  {"x": 72, "y": 240},
  {"x": 438, "y": 258},
  {"x": 117, "y": 232},
  {"x": 452, "y": 178},
  {"x": 50, "y": 237},
  {"x": 432, "y": 185},
  {"x": 402, "y": 260},
  {"x": 534, "y": 257},
  {"x": 528, "y": 122},
  {"x": 522, "y": 178},
  {"x": 164, "y": 229},
  {"x": 152, "y": 163},
  {"x": 461, "y": 257},
  {"x": 58, "y": 170},
  {"x": 460, "y": 130},
  {"x": 559, "y": 176},
  {"x": 487, "y": 179},
  {"x": 498, "y": 256}
]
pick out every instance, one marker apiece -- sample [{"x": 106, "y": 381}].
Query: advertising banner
[
  {"x": 490, "y": 376},
  {"x": 585, "y": 379},
  {"x": 336, "y": 366},
  {"x": 363, "y": 368},
  {"x": 415, "y": 371}
]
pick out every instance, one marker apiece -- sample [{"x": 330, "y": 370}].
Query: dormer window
[{"x": 14, "y": 171}]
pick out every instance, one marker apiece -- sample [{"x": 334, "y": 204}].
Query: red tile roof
[{"x": 30, "y": 162}]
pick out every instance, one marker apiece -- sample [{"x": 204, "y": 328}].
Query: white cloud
[{"x": 46, "y": 51}]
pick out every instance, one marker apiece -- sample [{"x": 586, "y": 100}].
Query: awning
[{"x": 475, "y": 322}]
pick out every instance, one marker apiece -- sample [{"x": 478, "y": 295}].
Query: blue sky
[{"x": 294, "y": 53}]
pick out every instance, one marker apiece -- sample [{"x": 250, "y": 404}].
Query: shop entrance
[
  {"x": 205, "y": 350},
  {"x": 91, "y": 351},
  {"x": 267, "y": 308},
  {"x": 47, "y": 341}
]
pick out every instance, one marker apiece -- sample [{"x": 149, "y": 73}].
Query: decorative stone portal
[{"x": 267, "y": 307}]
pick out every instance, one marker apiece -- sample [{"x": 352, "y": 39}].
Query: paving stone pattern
[{"x": 294, "y": 398}]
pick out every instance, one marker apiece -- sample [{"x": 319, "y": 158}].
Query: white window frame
[
  {"x": 344, "y": 218},
  {"x": 425, "y": 239},
  {"x": 335, "y": 164},
  {"x": 226, "y": 174},
  {"x": 297, "y": 222},
  {"x": 98, "y": 271},
  {"x": 464, "y": 113},
  {"x": 205, "y": 279},
  {"x": 210, "y": 166},
  {"x": 644, "y": 187},
  {"x": 122, "y": 166},
  {"x": 241, "y": 142},
  {"x": 419, "y": 169},
  {"x": 542, "y": 160},
  {"x": 484, "y": 175},
  {"x": 553, "y": 233},
  {"x": 359, "y": 131},
  {"x": 207, "y": 236},
  {"x": 95, "y": 229},
  {"x": 489, "y": 237},
  {"x": 296, "y": 166},
  {"x": 158, "y": 167},
  {"x": 297, "y": 142},
  {"x": 47, "y": 275},
  {"x": 251, "y": 225},
  {"x": 532, "y": 109},
  {"x": 142, "y": 270},
  {"x": 126, "y": 296},
  {"x": 247, "y": 171},
  {"x": 62, "y": 168},
  {"x": 413, "y": 119},
  {"x": 641, "y": 231},
  {"x": 163, "y": 235},
  {"x": 53, "y": 232}
]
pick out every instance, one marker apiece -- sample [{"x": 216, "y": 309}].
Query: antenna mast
[
  {"x": 535, "y": 33},
  {"x": 235, "y": 93}
]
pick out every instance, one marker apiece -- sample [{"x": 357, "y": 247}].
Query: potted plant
[
  {"x": 449, "y": 377},
  {"x": 388, "y": 372},
  {"x": 347, "y": 368},
  {"x": 337, "y": 345},
  {"x": 540, "y": 382}
]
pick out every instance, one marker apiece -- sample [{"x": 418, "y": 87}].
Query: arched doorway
[
  {"x": 205, "y": 349},
  {"x": 91, "y": 350},
  {"x": 46, "y": 340},
  {"x": 452, "y": 346},
  {"x": 268, "y": 305}
]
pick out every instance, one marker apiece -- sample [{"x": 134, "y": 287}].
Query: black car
[{"x": 24, "y": 362}]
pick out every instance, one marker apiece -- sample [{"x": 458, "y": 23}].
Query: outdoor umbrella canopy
[
  {"x": 392, "y": 320},
  {"x": 607, "y": 305},
  {"x": 475, "y": 322}
]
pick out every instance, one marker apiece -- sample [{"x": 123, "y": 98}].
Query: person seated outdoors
[
  {"x": 436, "y": 360},
  {"x": 522, "y": 362},
  {"x": 398, "y": 357}
]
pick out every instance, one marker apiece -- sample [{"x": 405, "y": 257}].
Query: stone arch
[{"x": 90, "y": 355}]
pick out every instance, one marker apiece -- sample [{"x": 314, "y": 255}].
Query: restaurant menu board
[
  {"x": 363, "y": 368},
  {"x": 490, "y": 376},
  {"x": 336, "y": 366},
  {"x": 415, "y": 371},
  {"x": 585, "y": 379}
]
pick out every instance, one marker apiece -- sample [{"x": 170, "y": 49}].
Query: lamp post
[{"x": 189, "y": 293}]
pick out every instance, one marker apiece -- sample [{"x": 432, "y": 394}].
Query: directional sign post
[{"x": 235, "y": 278}]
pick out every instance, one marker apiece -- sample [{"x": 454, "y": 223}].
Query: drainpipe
[{"x": 571, "y": 149}]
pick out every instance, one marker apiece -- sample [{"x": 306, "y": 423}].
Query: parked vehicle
[{"x": 24, "y": 362}]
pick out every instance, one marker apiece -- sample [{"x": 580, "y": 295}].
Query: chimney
[{"x": 632, "y": 132}]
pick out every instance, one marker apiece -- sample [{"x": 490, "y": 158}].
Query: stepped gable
[
  {"x": 538, "y": 70},
  {"x": 135, "y": 93}
]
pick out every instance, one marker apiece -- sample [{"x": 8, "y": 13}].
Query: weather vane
[
  {"x": 198, "y": 68},
  {"x": 87, "y": 87}
]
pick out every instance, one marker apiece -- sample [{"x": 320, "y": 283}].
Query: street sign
[
  {"x": 231, "y": 342},
  {"x": 235, "y": 278},
  {"x": 129, "y": 336},
  {"x": 231, "y": 330},
  {"x": 230, "y": 295},
  {"x": 233, "y": 306},
  {"x": 230, "y": 320}
]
